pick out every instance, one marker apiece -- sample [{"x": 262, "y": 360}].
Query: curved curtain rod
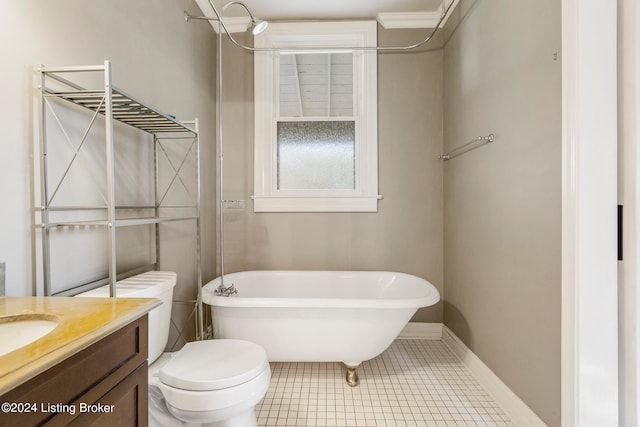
[{"x": 311, "y": 48}]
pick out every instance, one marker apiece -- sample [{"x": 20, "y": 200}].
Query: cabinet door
[
  {"x": 123, "y": 406},
  {"x": 84, "y": 379}
]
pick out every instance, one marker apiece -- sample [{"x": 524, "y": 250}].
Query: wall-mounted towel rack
[{"x": 471, "y": 145}]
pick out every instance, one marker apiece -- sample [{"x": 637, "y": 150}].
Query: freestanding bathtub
[{"x": 318, "y": 316}]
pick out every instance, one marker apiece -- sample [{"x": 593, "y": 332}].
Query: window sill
[{"x": 316, "y": 204}]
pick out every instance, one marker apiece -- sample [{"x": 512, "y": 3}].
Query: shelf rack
[{"x": 114, "y": 105}]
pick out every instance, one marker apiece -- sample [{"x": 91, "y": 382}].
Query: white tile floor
[{"x": 413, "y": 383}]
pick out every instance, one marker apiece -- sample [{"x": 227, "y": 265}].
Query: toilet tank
[{"x": 152, "y": 284}]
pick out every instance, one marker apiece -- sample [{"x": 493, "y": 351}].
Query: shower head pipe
[{"x": 258, "y": 26}]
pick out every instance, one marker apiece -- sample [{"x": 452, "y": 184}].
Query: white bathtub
[{"x": 318, "y": 316}]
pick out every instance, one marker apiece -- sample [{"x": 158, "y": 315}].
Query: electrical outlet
[
  {"x": 2, "y": 272},
  {"x": 235, "y": 204}
]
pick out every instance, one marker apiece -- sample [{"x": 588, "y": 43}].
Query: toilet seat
[
  {"x": 214, "y": 375},
  {"x": 215, "y": 405},
  {"x": 214, "y": 365}
]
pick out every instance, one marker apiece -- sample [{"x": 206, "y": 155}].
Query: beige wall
[
  {"x": 156, "y": 57},
  {"x": 502, "y": 202},
  {"x": 405, "y": 235}
]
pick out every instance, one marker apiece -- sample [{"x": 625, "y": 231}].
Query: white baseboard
[
  {"x": 518, "y": 411},
  {"x": 421, "y": 331}
]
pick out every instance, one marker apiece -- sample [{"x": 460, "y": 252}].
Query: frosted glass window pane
[
  {"x": 316, "y": 155},
  {"x": 316, "y": 85}
]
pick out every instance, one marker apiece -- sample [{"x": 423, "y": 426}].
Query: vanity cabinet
[{"x": 104, "y": 384}]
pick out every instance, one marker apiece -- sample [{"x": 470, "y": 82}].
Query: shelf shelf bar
[
  {"x": 100, "y": 281},
  {"x": 72, "y": 69},
  {"x": 124, "y": 108},
  {"x": 98, "y": 207},
  {"x": 119, "y": 222},
  {"x": 144, "y": 221}
]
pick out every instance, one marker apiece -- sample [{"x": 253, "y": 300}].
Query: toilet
[{"x": 212, "y": 383}]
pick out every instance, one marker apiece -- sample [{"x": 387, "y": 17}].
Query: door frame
[{"x": 589, "y": 214}]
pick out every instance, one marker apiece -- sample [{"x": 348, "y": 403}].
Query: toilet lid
[{"x": 214, "y": 365}]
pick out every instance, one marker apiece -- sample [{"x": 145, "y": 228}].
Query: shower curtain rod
[{"x": 219, "y": 18}]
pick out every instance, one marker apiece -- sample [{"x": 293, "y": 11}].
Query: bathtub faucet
[{"x": 222, "y": 291}]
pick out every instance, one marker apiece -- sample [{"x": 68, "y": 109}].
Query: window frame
[{"x": 364, "y": 197}]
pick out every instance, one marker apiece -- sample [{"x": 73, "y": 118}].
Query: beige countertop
[{"x": 82, "y": 322}]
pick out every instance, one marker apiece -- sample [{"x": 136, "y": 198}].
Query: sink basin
[{"x": 23, "y": 329}]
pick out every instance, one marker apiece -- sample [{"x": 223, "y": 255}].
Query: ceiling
[{"x": 397, "y": 13}]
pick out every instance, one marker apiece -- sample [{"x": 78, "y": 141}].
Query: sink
[{"x": 23, "y": 329}]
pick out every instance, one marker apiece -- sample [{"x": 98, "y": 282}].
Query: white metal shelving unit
[{"x": 114, "y": 105}]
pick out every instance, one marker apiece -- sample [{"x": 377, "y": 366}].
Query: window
[{"x": 316, "y": 119}]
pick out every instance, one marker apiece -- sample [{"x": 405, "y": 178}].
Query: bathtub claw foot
[{"x": 352, "y": 376}]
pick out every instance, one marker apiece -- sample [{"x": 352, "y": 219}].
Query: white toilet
[{"x": 213, "y": 383}]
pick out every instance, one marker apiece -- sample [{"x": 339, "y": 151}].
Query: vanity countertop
[{"x": 82, "y": 322}]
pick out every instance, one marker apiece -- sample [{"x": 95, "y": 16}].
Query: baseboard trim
[
  {"x": 518, "y": 411},
  {"x": 421, "y": 331}
]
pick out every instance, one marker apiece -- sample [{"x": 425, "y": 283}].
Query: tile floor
[{"x": 413, "y": 383}]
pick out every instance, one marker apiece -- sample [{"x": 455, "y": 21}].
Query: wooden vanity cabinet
[{"x": 103, "y": 385}]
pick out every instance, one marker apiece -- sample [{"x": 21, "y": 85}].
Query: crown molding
[
  {"x": 234, "y": 24},
  {"x": 393, "y": 20},
  {"x": 396, "y": 20}
]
